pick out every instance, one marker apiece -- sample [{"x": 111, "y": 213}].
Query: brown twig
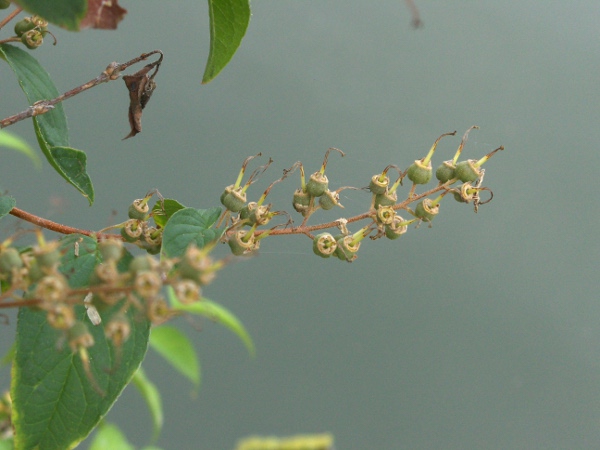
[
  {"x": 111, "y": 73},
  {"x": 57, "y": 227},
  {"x": 302, "y": 229},
  {"x": 10, "y": 17}
]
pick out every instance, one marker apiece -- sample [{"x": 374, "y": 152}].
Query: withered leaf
[
  {"x": 141, "y": 86},
  {"x": 103, "y": 14}
]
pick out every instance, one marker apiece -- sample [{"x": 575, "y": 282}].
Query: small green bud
[
  {"x": 466, "y": 193},
  {"x": 467, "y": 171},
  {"x": 301, "y": 201},
  {"x": 233, "y": 199},
  {"x": 346, "y": 248},
  {"x": 426, "y": 211},
  {"x": 32, "y": 39},
  {"x": 139, "y": 209},
  {"x": 24, "y": 25},
  {"x": 48, "y": 256},
  {"x": 141, "y": 263},
  {"x": 132, "y": 231},
  {"x": 4, "y": 4},
  {"x": 239, "y": 246},
  {"x": 445, "y": 171},
  {"x": 385, "y": 199},
  {"x": 110, "y": 249},
  {"x": 324, "y": 245},
  {"x": 329, "y": 199},
  {"x": 419, "y": 173},
  {"x": 317, "y": 184},
  {"x": 394, "y": 230},
  {"x": 378, "y": 186},
  {"x": 10, "y": 259},
  {"x": 385, "y": 214}
]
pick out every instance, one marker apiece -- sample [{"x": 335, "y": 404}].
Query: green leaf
[
  {"x": 50, "y": 128},
  {"x": 110, "y": 436},
  {"x": 64, "y": 13},
  {"x": 14, "y": 142},
  {"x": 229, "y": 21},
  {"x": 151, "y": 394},
  {"x": 189, "y": 225},
  {"x": 164, "y": 210},
  {"x": 55, "y": 405},
  {"x": 177, "y": 349},
  {"x": 9, "y": 357},
  {"x": 215, "y": 312},
  {"x": 7, "y": 444},
  {"x": 7, "y": 203}
]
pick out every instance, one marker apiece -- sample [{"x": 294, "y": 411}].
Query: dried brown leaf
[{"x": 103, "y": 14}]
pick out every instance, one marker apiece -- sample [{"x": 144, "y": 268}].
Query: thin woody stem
[
  {"x": 111, "y": 73},
  {"x": 57, "y": 227},
  {"x": 302, "y": 229},
  {"x": 10, "y": 17}
]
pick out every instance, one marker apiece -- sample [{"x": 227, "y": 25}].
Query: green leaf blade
[
  {"x": 7, "y": 203},
  {"x": 151, "y": 395},
  {"x": 55, "y": 405},
  {"x": 187, "y": 226},
  {"x": 14, "y": 142},
  {"x": 50, "y": 128},
  {"x": 229, "y": 21},
  {"x": 110, "y": 436},
  {"x": 218, "y": 313},
  {"x": 162, "y": 211},
  {"x": 177, "y": 350},
  {"x": 64, "y": 13}
]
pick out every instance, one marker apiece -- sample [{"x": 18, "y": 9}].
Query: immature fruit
[
  {"x": 467, "y": 171},
  {"x": 419, "y": 173},
  {"x": 324, "y": 245},
  {"x": 378, "y": 186},
  {"x": 4, "y": 4},
  {"x": 32, "y": 39},
  {"x": 445, "y": 171},
  {"x": 426, "y": 210},
  {"x": 317, "y": 184}
]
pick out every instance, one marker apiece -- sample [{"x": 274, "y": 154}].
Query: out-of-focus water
[{"x": 480, "y": 332}]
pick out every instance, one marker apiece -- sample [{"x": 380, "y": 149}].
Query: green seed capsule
[
  {"x": 301, "y": 201},
  {"x": 346, "y": 250},
  {"x": 385, "y": 214},
  {"x": 233, "y": 199},
  {"x": 394, "y": 230},
  {"x": 139, "y": 210},
  {"x": 385, "y": 199},
  {"x": 466, "y": 171},
  {"x": 317, "y": 184},
  {"x": 239, "y": 246},
  {"x": 23, "y": 26},
  {"x": 10, "y": 259},
  {"x": 32, "y": 39},
  {"x": 132, "y": 231},
  {"x": 110, "y": 249},
  {"x": 445, "y": 171},
  {"x": 324, "y": 245},
  {"x": 425, "y": 210},
  {"x": 419, "y": 173},
  {"x": 329, "y": 199},
  {"x": 378, "y": 186}
]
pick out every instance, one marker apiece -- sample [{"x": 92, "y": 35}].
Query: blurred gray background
[{"x": 481, "y": 332}]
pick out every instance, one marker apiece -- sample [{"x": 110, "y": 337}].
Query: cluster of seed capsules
[
  {"x": 131, "y": 287},
  {"x": 31, "y": 31},
  {"x": 314, "y": 194}
]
